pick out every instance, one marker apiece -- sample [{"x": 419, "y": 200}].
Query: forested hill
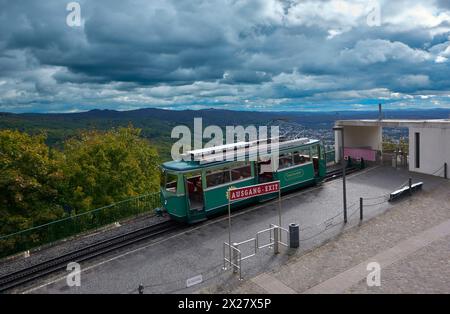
[{"x": 156, "y": 124}]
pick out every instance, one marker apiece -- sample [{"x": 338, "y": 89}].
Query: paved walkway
[
  {"x": 352, "y": 276},
  {"x": 411, "y": 242}
]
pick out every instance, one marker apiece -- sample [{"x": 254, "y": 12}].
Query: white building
[{"x": 429, "y": 142}]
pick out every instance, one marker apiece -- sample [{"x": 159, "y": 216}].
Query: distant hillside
[{"x": 156, "y": 124}]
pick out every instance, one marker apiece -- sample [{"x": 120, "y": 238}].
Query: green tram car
[{"x": 194, "y": 190}]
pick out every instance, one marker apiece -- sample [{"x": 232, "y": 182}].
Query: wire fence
[
  {"x": 331, "y": 222},
  {"x": 440, "y": 171},
  {"x": 327, "y": 224},
  {"x": 56, "y": 230}
]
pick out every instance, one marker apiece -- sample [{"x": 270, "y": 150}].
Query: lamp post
[{"x": 344, "y": 189}]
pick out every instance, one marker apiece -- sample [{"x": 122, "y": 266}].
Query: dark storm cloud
[
  {"x": 228, "y": 52},
  {"x": 444, "y": 4}
]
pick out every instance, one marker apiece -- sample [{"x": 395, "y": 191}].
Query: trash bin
[{"x": 294, "y": 236}]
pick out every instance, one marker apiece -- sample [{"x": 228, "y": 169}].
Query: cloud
[{"x": 263, "y": 54}]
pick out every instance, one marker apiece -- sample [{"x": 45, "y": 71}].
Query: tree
[
  {"x": 105, "y": 167},
  {"x": 29, "y": 182}
]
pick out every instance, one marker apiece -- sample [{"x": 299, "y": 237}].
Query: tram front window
[{"x": 170, "y": 182}]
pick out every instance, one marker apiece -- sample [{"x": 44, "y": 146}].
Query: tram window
[
  {"x": 286, "y": 161},
  {"x": 302, "y": 156},
  {"x": 217, "y": 177},
  {"x": 171, "y": 182},
  {"x": 241, "y": 173}
]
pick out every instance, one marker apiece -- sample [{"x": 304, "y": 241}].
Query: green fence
[
  {"x": 75, "y": 224},
  {"x": 330, "y": 156}
]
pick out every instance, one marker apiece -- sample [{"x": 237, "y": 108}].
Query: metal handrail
[
  {"x": 287, "y": 236},
  {"x": 244, "y": 242},
  {"x": 236, "y": 261},
  {"x": 230, "y": 261},
  {"x": 270, "y": 239}
]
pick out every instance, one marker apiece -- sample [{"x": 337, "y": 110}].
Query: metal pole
[
  {"x": 236, "y": 259},
  {"x": 344, "y": 188},
  {"x": 279, "y": 207},
  {"x": 229, "y": 229},
  {"x": 276, "y": 239},
  {"x": 410, "y": 186},
  {"x": 360, "y": 208},
  {"x": 445, "y": 171},
  {"x": 224, "y": 258},
  {"x": 240, "y": 266}
]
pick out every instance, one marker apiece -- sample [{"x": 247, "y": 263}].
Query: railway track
[
  {"x": 334, "y": 174},
  {"x": 52, "y": 265}
]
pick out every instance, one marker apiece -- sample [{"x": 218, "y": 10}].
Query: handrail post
[
  {"x": 236, "y": 258},
  {"x": 224, "y": 257},
  {"x": 270, "y": 234},
  {"x": 276, "y": 234}
]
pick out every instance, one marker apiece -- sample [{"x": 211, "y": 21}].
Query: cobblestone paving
[{"x": 426, "y": 270}]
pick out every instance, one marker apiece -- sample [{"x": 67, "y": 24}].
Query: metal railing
[
  {"x": 270, "y": 230},
  {"x": 71, "y": 225},
  {"x": 235, "y": 260}
]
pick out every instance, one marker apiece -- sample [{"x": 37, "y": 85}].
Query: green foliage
[
  {"x": 60, "y": 127},
  {"x": 29, "y": 182},
  {"x": 390, "y": 146},
  {"x": 105, "y": 167},
  {"x": 94, "y": 169}
]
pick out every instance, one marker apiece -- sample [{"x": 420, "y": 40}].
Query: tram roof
[
  {"x": 183, "y": 166},
  {"x": 188, "y": 165}
]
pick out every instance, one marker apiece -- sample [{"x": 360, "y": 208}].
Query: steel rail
[{"x": 334, "y": 174}]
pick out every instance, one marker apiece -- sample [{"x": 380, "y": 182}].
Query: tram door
[
  {"x": 315, "y": 153},
  {"x": 265, "y": 171},
  {"x": 194, "y": 190}
]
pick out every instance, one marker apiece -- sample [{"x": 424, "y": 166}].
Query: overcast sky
[{"x": 235, "y": 54}]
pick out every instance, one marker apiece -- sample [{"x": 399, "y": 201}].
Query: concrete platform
[{"x": 164, "y": 266}]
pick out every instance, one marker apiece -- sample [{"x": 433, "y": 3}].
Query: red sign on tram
[{"x": 254, "y": 190}]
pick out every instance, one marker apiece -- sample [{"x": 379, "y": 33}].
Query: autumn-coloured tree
[
  {"x": 29, "y": 182},
  {"x": 101, "y": 168}
]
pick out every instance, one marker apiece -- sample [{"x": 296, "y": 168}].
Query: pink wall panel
[{"x": 358, "y": 153}]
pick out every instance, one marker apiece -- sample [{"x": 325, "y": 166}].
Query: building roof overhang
[{"x": 397, "y": 123}]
